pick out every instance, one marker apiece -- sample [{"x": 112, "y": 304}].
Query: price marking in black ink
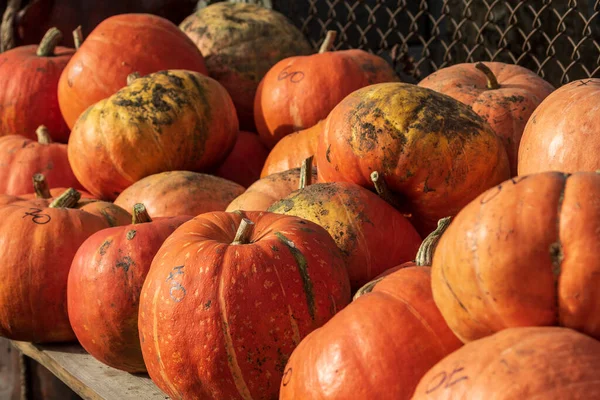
[
  {"x": 445, "y": 380},
  {"x": 294, "y": 77},
  {"x": 584, "y": 83},
  {"x": 37, "y": 217},
  {"x": 177, "y": 291},
  {"x": 287, "y": 377}
]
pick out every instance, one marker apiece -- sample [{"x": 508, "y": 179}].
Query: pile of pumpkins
[{"x": 245, "y": 217}]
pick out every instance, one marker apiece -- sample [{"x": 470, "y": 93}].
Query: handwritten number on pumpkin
[
  {"x": 177, "y": 291},
  {"x": 294, "y": 77},
  {"x": 445, "y": 380},
  {"x": 37, "y": 217}
]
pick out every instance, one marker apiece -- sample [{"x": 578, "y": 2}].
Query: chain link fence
[{"x": 558, "y": 39}]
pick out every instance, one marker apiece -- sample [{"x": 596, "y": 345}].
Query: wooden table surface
[{"x": 88, "y": 377}]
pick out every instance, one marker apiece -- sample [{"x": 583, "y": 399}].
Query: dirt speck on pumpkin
[{"x": 105, "y": 247}]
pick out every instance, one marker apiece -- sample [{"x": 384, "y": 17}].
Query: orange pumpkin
[
  {"x": 371, "y": 234},
  {"x": 300, "y": 91},
  {"x": 519, "y": 363},
  {"x": 434, "y": 153},
  {"x": 505, "y": 95},
  {"x": 118, "y": 46},
  {"x": 244, "y": 163},
  {"x": 524, "y": 253},
  {"x": 185, "y": 121},
  {"x": 39, "y": 240},
  {"x": 104, "y": 285},
  {"x": 263, "y": 193},
  {"x": 21, "y": 158},
  {"x": 175, "y": 193},
  {"x": 240, "y": 43},
  {"x": 28, "y": 95},
  {"x": 292, "y": 150},
  {"x": 563, "y": 133},
  {"x": 251, "y": 296},
  {"x": 378, "y": 347}
]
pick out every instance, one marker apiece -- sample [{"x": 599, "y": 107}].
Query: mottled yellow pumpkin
[
  {"x": 169, "y": 120},
  {"x": 435, "y": 153},
  {"x": 240, "y": 43}
]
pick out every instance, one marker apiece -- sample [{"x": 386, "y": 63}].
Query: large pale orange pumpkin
[
  {"x": 292, "y": 150},
  {"x": 377, "y": 348},
  {"x": 21, "y": 158},
  {"x": 300, "y": 91},
  {"x": 563, "y": 133},
  {"x": 183, "y": 121},
  {"x": 104, "y": 285},
  {"x": 505, "y": 95},
  {"x": 435, "y": 153},
  {"x": 174, "y": 193},
  {"x": 519, "y": 363},
  {"x": 524, "y": 253},
  {"x": 221, "y": 312},
  {"x": 39, "y": 240},
  {"x": 240, "y": 43},
  {"x": 118, "y": 46},
  {"x": 266, "y": 191}
]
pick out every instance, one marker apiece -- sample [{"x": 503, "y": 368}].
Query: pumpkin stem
[
  {"x": 244, "y": 232},
  {"x": 140, "y": 214},
  {"x": 383, "y": 189},
  {"x": 492, "y": 81},
  {"x": 43, "y": 135},
  {"x": 367, "y": 288},
  {"x": 306, "y": 172},
  {"x": 49, "y": 42},
  {"x": 427, "y": 248},
  {"x": 7, "y": 29},
  {"x": 68, "y": 199},
  {"x": 132, "y": 77},
  {"x": 77, "y": 37},
  {"x": 327, "y": 44},
  {"x": 40, "y": 187}
]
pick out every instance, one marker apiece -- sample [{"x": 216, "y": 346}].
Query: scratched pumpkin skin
[
  {"x": 169, "y": 120},
  {"x": 434, "y": 152},
  {"x": 298, "y": 92},
  {"x": 506, "y": 101},
  {"x": 220, "y": 320},
  {"x": 371, "y": 234},
  {"x": 104, "y": 285},
  {"x": 39, "y": 242},
  {"x": 524, "y": 253},
  {"x": 549, "y": 363},
  {"x": 402, "y": 335}
]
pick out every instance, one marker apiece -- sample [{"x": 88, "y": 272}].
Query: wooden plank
[{"x": 88, "y": 377}]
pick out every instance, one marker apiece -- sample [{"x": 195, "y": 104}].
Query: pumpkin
[
  {"x": 240, "y": 43},
  {"x": 244, "y": 164},
  {"x": 433, "y": 152},
  {"x": 263, "y": 193},
  {"x": 300, "y": 91},
  {"x": 292, "y": 150},
  {"x": 175, "y": 193},
  {"x": 185, "y": 121},
  {"x": 117, "y": 47},
  {"x": 21, "y": 158},
  {"x": 371, "y": 234},
  {"x": 28, "y": 97},
  {"x": 39, "y": 242},
  {"x": 251, "y": 287},
  {"x": 561, "y": 134},
  {"x": 38, "y": 15},
  {"x": 104, "y": 286},
  {"x": 395, "y": 323},
  {"x": 505, "y": 95},
  {"x": 522, "y": 254},
  {"x": 547, "y": 363}
]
